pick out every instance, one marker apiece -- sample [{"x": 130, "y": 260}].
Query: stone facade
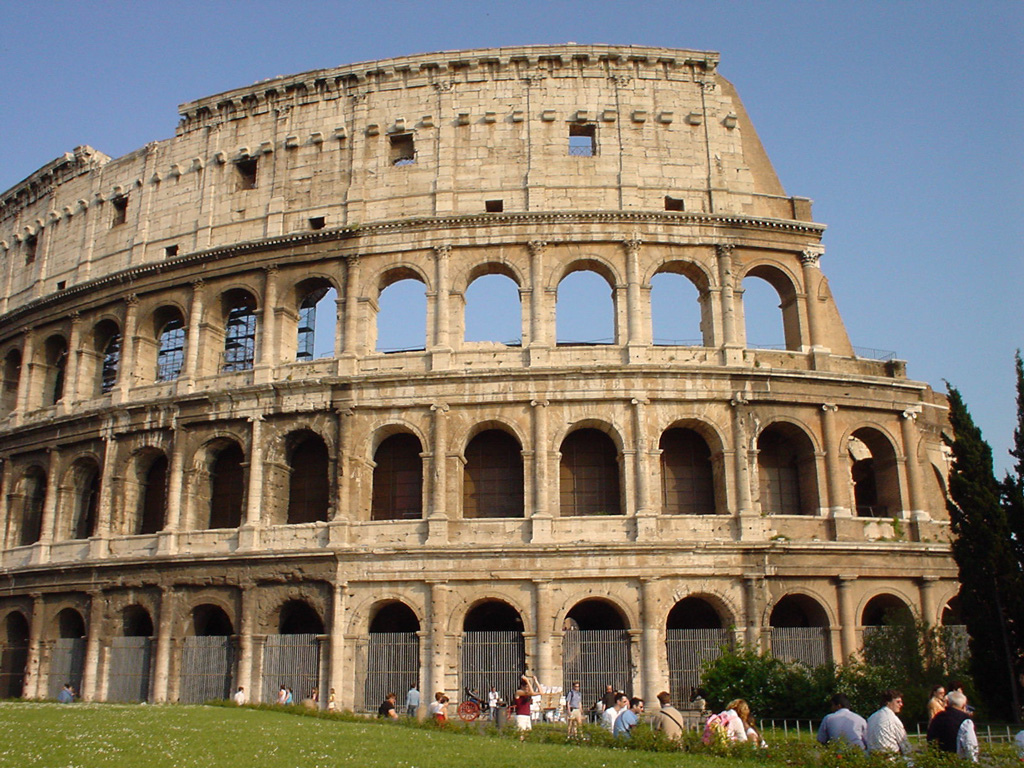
[{"x": 172, "y": 452}]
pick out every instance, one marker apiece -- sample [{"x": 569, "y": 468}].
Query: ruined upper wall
[{"x": 447, "y": 134}]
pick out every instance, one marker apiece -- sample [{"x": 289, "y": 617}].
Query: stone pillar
[
  {"x": 847, "y": 616},
  {"x": 541, "y": 336},
  {"x": 195, "y": 322},
  {"x": 175, "y": 492},
  {"x": 72, "y": 386},
  {"x": 5, "y": 504},
  {"x": 634, "y": 311},
  {"x": 752, "y": 586},
  {"x": 646, "y": 515},
  {"x": 542, "y": 655},
  {"x": 105, "y": 503},
  {"x": 653, "y": 624},
  {"x": 438, "y": 657},
  {"x": 911, "y": 437},
  {"x": 27, "y": 381},
  {"x": 741, "y": 470},
  {"x": 33, "y": 663},
  {"x": 126, "y": 369},
  {"x": 351, "y": 317},
  {"x": 929, "y": 610},
  {"x": 337, "y": 639},
  {"x": 254, "y": 489},
  {"x": 164, "y": 639},
  {"x": 267, "y": 348},
  {"x": 245, "y": 641},
  {"x": 91, "y": 666},
  {"x": 442, "y": 319},
  {"x": 540, "y": 521},
  {"x": 48, "y": 525},
  {"x": 833, "y": 462},
  {"x": 812, "y": 283},
  {"x": 724, "y": 255},
  {"x": 437, "y": 517}
]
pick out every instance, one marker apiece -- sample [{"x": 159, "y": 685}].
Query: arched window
[
  {"x": 299, "y": 618},
  {"x": 493, "y": 311},
  {"x": 211, "y": 621},
  {"x": 695, "y": 634},
  {"x": 398, "y": 479},
  {"x": 11, "y": 379},
  {"x": 585, "y": 309},
  {"x": 14, "y": 657},
  {"x": 170, "y": 356},
  {"x": 687, "y": 479},
  {"x": 786, "y": 472},
  {"x": 308, "y": 485},
  {"x": 316, "y": 324},
  {"x": 239, "y": 331},
  {"x": 596, "y": 649},
  {"x": 86, "y": 482},
  {"x": 153, "y": 501},
  {"x": 800, "y": 631},
  {"x": 402, "y": 318},
  {"x": 767, "y": 291},
  {"x": 493, "y": 476},
  {"x": 111, "y": 363},
  {"x": 589, "y": 475},
  {"x": 227, "y": 483},
  {"x": 676, "y": 309},
  {"x": 56, "y": 356},
  {"x": 136, "y": 622},
  {"x": 34, "y": 488},
  {"x": 876, "y": 483}
]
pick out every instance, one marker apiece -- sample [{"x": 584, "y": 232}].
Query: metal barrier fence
[
  {"x": 492, "y": 658},
  {"x": 688, "y": 650},
  {"x": 67, "y": 660},
  {"x": 808, "y": 645},
  {"x": 207, "y": 669},
  {"x": 392, "y": 664},
  {"x": 13, "y": 659},
  {"x": 292, "y": 661},
  {"x": 128, "y": 665},
  {"x": 596, "y": 658}
]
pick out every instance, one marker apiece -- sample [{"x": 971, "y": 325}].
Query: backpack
[{"x": 716, "y": 727}]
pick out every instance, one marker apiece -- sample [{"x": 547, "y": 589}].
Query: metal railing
[
  {"x": 392, "y": 664},
  {"x": 207, "y": 669}
]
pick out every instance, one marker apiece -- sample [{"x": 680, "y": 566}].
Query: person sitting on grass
[
  {"x": 629, "y": 718},
  {"x": 387, "y": 707}
]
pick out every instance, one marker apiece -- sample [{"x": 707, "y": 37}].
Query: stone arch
[
  {"x": 238, "y": 329},
  {"x": 700, "y": 320},
  {"x": 11, "y": 373},
  {"x": 160, "y": 353},
  {"x": 387, "y": 616},
  {"x": 299, "y": 617},
  {"x": 27, "y": 508},
  {"x": 210, "y": 619},
  {"x": 596, "y": 646},
  {"x": 135, "y": 621},
  {"x": 699, "y": 611},
  {"x": 579, "y": 310},
  {"x": 14, "y": 655},
  {"x": 219, "y": 484},
  {"x": 69, "y": 623},
  {"x": 80, "y": 496},
  {"x": 800, "y": 628},
  {"x": 100, "y": 365},
  {"x": 145, "y": 492},
  {"x": 492, "y": 614},
  {"x": 493, "y": 651},
  {"x": 874, "y": 472},
  {"x": 691, "y": 483},
  {"x": 696, "y": 629},
  {"x": 492, "y": 308},
  {"x": 590, "y": 473},
  {"x": 884, "y": 607},
  {"x": 597, "y": 613},
  {"x": 309, "y": 477},
  {"x": 801, "y": 607},
  {"x": 54, "y": 359},
  {"x": 303, "y": 325},
  {"x": 787, "y": 287},
  {"x": 397, "y": 487},
  {"x": 493, "y": 475},
  {"x": 414, "y": 333},
  {"x": 787, "y": 469}
]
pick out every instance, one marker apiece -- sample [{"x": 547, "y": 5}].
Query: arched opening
[
  {"x": 11, "y": 380},
  {"x": 67, "y": 653},
  {"x": 13, "y": 656},
  {"x": 309, "y": 486},
  {"x": 787, "y": 475},
  {"x": 55, "y": 355},
  {"x": 85, "y": 489},
  {"x": 873, "y": 470},
  {"x": 153, "y": 499},
  {"x": 589, "y": 475},
  {"x": 493, "y": 652},
  {"x": 687, "y": 476},
  {"x": 130, "y": 657},
  {"x": 800, "y": 632},
  {"x": 227, "y": 484},
  {"x": 890, "y": 633},
  {"x": 767, "y": 291},
  {"x": 291, "y": 658},
  {"x": 207, "y": 657},
  {"x": 694, "y": 635},
  {"x": 585, "y": 309},
  {"x": 398, "y": 479},
  {"x": 33, "y": 501},
  {"x": 107, "y": 348},
  {"x": 596, "y": 649},
  {"x": 402, "y": 317},
  {"x": 493, "y": 476},
  {"x": 239, "y": 307},
  {"x": 677, "y": 309},
  {"x": 493, "y": 310},
  {"x": 170, "y": 340},
  {"x": 318, "y": 302},
  {"x": 392, "y": 653},
  {"x": 886, "y": 610}
]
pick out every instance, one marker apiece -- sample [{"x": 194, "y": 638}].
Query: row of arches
[{"x": 302, "y": 489}]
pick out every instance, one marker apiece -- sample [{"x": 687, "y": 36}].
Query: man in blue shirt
[
  {"x": 66, "y": 695},
  {"x": 624, "y": 723},
  {"x": 843, "y": 725},
  {"x": 412, "y": 700}
]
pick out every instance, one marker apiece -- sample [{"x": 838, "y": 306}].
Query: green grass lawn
[{"x": 134, "y": 736}]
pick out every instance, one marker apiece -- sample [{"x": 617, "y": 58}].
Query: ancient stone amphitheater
[{"x": 213, "y": 475}]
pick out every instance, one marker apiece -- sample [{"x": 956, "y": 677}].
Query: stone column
[
  {"x": 833, "y": 462},
  {"x": 724, "y": 255},
  {"x": 653, "y": 623},
  {"x": 245, "y": 640},
  {"x": 126, "y": 369},
  {"x": 437, "y": 517},
  {"x": 91, "y": 665},
  {"x": 5, "y": 504},
  {"x": 162, "y": 660},
  {"x": 752, "y": 585},
  {"x": 438, "y": 658},
  {"x": 351, "y": 317},
  {"x": 33, "y": 662},
  {"x": 542, "y": 656},
  {"x": 337, "y": 640},
  {"x": 929, "y": 610},
  {"x": 175, "y": 491},
  {"x": 72, "y": 386},
  {"x": 249, "y": 535},
  {"x": 634, "y": 312},
  {"x": 540, "y": 521},
  {"x": 646, "y": 515},
  {"x": 847, "y": 616},
  {"x": 105, "y": 503},
  {"x": 195, "y": 322},
  {"x": 48, "y": 525},
  {"x": 812, "y": 282},
  {"x": 442, "y": 319},
  {"x": 742, "y": 473},
  {"x": 27, "y": 382},
  {"x": 911, "y": 437},
  {"x": 541, "y": 337},
  {"x": 267, "y": 348}
]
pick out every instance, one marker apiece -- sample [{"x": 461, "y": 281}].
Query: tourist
[
  {"x": 412, "y": 700},
  {"x": 282, "y": 695},
  {"x": 66, "y": 695},
  {"x": 842, "y": 725},
  {"x": 668, "y": 720},
  {"x": 493, "y": 703},
  {"x": 289, "y": 696},
  {"x": 611, "y": 714},
  {"x": 952, "y": 729},
  {"x": 523, "y": 704},
  {"x": 387, "y": 707},
  {"x": 608, "y": 698},
  {"x": 937, "y": 702},
  {"x": 239, "y": 696},
  {"x": 886, "y": 733},
  {"x": 574, "y": 707},
  {"x": 628, "y": 719},
  {"x": 436, "y": 708},
  {"x": 749, "y": 733},
  {"x": 332, "y": 703}
]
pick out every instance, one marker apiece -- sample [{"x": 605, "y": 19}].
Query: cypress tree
[
  {"x": 991, "y": 585},
  {"x": 1013, "y": 484}
]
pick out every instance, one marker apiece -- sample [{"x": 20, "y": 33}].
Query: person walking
[
  {"x": 412, "y": 700},
  {"x": 843, "y": 725},
  {"x": 886, "y": 733},
  {"x": 574, "y": 708},
  {"x": 937, "y": 702}
]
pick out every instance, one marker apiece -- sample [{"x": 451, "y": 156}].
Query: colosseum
[{"x": 214, "y": 475}]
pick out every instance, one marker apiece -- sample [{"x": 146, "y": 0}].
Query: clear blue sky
[{"x": 904, "y": 121}]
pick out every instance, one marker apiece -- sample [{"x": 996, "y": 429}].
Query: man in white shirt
[
  {"x": 239, "y": 696},
  {"x": 885, "y": 730},
  {"x": 612, "y": 713}
]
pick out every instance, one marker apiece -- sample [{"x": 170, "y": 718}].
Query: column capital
[
  {"x": 640, "y": 401},
  {"x": 724, "y": 249},
  {"x": 830, "y": 407},
  {"x": 271, "y": 269},
  {"x": 440, "y": 408},
  {"x": 540, "y": 403},
  {"x": 197, "y": 284},
  {"x": 442, "y": 251},
  {"x": 537, "y": 247},
  {"x": 911, "y": 413},
  {"x": 845, "y": 579},
  {"x": 131, "y": 300},
  {"x": 632, "y": 245},
  {"x": 810, "y": 255}
]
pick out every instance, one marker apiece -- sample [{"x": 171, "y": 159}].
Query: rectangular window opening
[
  {"x": 403, "y": 150},
  {"x": 246, "y": 173},
  {"x": 30, "y": 248},
  {"x": 120, "y": 204},
  {"x": 170, "y": 251},
  {"x": 62, "y": 284},
  {"x": 582, "y": 139},
  {"x": 494, "y": 206},
  {"x": 317, "y": 222},
  {"x": 673, "y": 203}
]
